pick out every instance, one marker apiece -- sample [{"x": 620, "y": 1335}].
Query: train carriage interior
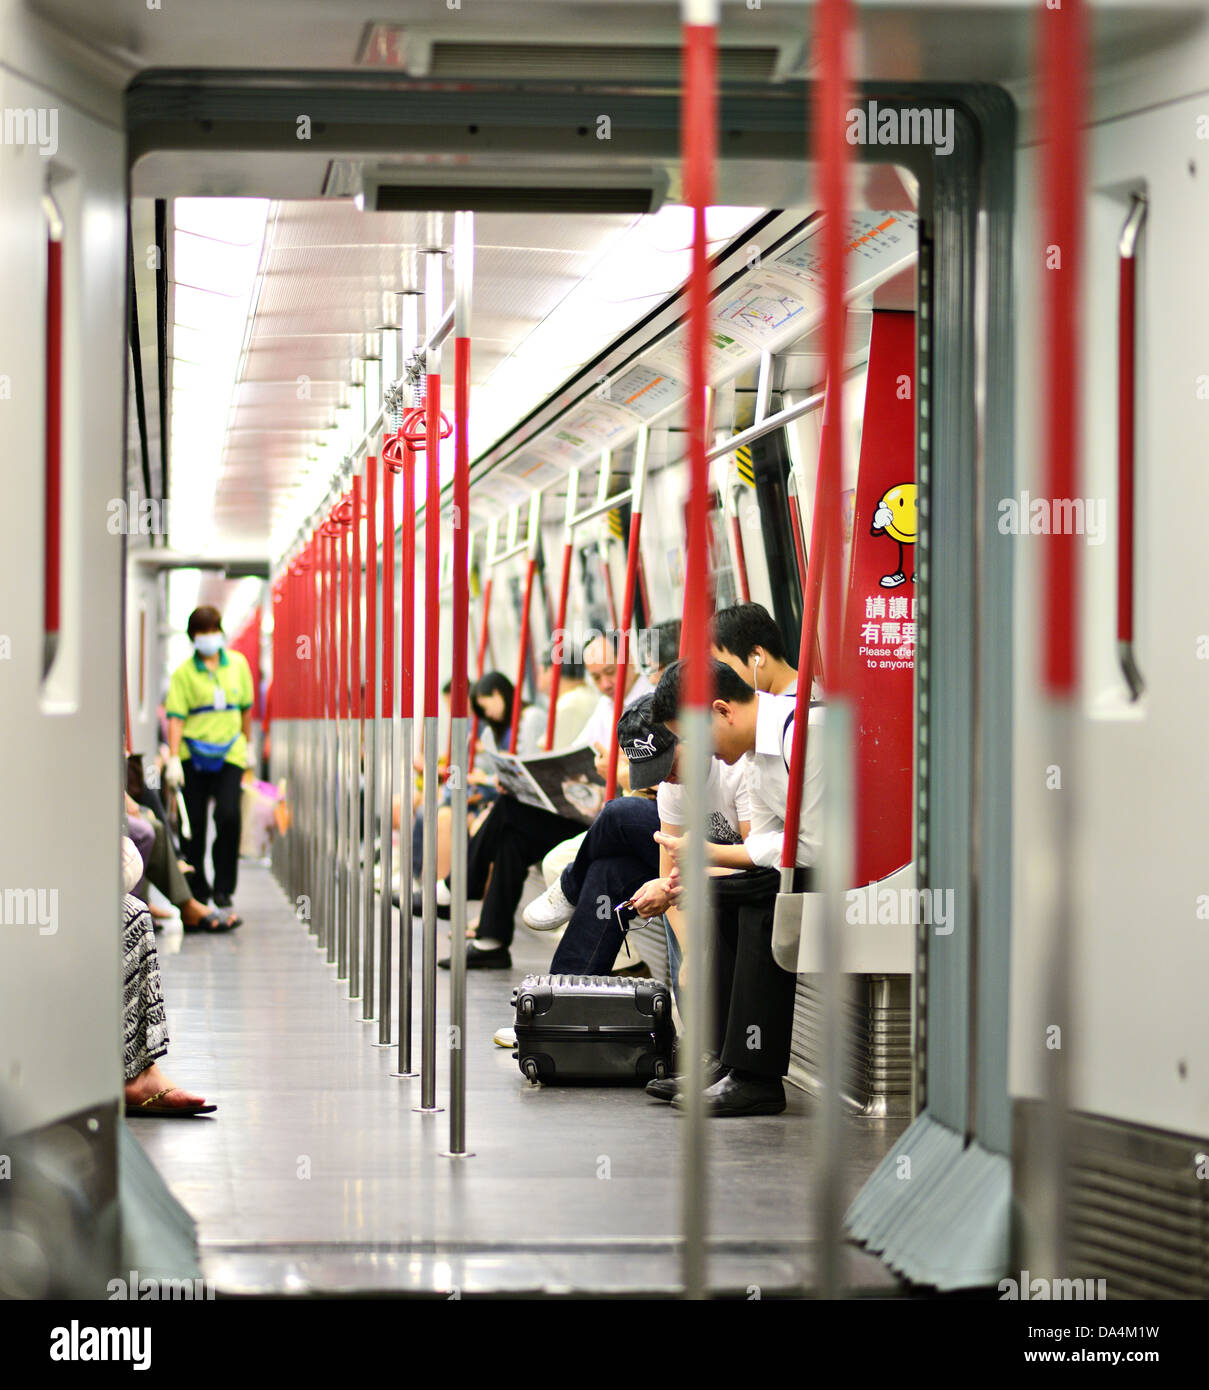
[{"x": 423, "y": 418}]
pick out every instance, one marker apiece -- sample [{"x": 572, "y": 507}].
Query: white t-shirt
[{"x": 726, "y": 800}]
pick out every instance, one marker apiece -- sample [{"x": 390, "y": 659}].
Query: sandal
[
  {"x": 210, "y": 923},
  {"x": 151, "y": 1107}
]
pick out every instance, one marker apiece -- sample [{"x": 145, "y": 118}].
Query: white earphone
[{"x": 755, "y": 661}]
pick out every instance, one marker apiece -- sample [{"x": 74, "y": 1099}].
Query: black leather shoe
[
  {"x": 733, "y": 1096},
  {"x": 498, "y": 958},
  {"x": 667, "y": 1088},
  {"x": 222, "y": 900},
  {"x": 417, "y": 905}
]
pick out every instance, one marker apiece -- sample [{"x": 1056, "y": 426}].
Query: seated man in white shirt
[
  {"x": 753, "y": 996},
  {"x": 515, "y": 836},
  {"x": 747, "y": 638}
]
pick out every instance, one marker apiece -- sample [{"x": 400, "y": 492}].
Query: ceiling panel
[{"x": 324, "y": 270}]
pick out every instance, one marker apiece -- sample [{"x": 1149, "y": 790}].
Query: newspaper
[{"x": 566, "y": 784}]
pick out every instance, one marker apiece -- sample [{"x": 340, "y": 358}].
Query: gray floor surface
[{"x": 316, "y": 1174}]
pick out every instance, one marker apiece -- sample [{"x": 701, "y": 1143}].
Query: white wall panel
[
  {"x": 1138, "y": 789},
  {"x": 60, "y": 1029}
]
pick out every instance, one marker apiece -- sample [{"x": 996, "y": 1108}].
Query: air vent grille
[
  {"x": 1139, "y": 1213},
  {"x": 591, "y": 62}
]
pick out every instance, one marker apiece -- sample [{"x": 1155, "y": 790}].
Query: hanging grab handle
[
  {"x": 1126, "y": 399},
  {"x": 413, "y": 428},
  {"x": 52, "y": 576}
]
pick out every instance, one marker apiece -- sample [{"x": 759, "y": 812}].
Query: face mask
[{"x": 208, "y": 643}]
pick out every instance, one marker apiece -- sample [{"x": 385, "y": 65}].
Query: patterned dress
[{"x": 145, "y": 1024}]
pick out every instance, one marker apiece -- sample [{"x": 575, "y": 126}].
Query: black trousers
[
  {"x": 617, "y": 857},
  {"x": 753, "y": 996},
  {"x": 513, "y": 838},
  {"x": 224, "y": 788}
]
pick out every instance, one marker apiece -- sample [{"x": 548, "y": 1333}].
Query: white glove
[{"x": 174, "y": 774}]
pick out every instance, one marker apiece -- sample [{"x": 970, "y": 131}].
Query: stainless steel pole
[
  {"x": 370, "y": 713},
  {"x": 698, "y": 118},
  {"x": 356, "y": 747},
  {"x": 407, "y": 700},
  {"x": 387, "y": 757},
  {"x": 463, "y": 279},
  {"x": 342, "y": 737},
  {"x": 433, "y": 291}
]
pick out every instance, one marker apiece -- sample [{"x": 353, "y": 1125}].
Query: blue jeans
[
  {"x": 617, "y": 857},
  {"x": 674, "y": 959}
]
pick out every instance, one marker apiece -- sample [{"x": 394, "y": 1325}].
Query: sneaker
[
  {"x": 504, "y": 1037},
  {"x": 551, "y": 910}
]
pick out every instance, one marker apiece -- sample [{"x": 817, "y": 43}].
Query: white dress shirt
[
  {"x": 768, "y": 784},
  {"x": 600, "y": 727}
]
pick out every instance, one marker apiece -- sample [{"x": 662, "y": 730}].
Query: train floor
[{"x": 317, "y": 1175}]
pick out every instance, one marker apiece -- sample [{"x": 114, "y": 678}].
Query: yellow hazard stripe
[
  {"x": 744, "y": 465},
  {"x": 615, "y": 523}
]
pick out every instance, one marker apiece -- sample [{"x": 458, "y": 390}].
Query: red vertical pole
[
  {"x": 459, "y": 702},
  {"x": 407, "y": 618},
  {"x": 432, "y": 546},
  {"x": 371, "y": 591},
  {"x": 330, "y": 686},
  {"x": 795, "y": 522},
  {"x": 643, "y": 591},
  {"x": 484, "y": 631},
  {"x": 700, "y": 143},
  {"x": 312, "y": 626},
  {"x": 520, "y": 667},
  {"x": 607, "y": 574},
  {"x": 698, "y": 134},
  {"x": 388, "y": 590},
  {"x": 564, "y": 589},
  {"x": 345, "y": 607},
  {"x": 1063, "y": 58},
  {"x": 289, "y": 621},
  {"x": 736, "y": 531},
  {"x": 307, "y": 628},
  {"x": 354, "y": 670},
  {"x": 482, "y": 658},
  {"x": 623, "y": 642},
  {"x": 831, "y": 156}
]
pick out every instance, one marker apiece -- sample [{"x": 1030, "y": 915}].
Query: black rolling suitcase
[{"x": 593, "y": 1028}]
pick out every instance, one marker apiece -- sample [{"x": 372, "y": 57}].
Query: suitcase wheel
[
  {"x": 660, "y": 1068},
  {"x": 529, "y": 1067}
]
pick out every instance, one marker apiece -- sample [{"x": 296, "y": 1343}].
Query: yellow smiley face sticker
[{"x": 902, "y": 504}]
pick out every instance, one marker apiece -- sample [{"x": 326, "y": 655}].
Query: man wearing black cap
[{"x": 618, "y": 857}]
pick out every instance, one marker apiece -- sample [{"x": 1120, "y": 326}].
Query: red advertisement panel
[{"x": 881, "y": 609}]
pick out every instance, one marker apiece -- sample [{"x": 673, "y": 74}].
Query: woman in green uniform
[{"x": 209, "y": 709}]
